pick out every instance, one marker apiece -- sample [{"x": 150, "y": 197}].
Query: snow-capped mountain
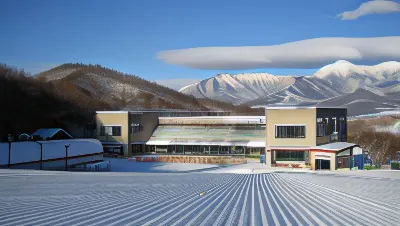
[
  {"x": 339, "y": 78},
  {"x": 238, "y": 88}
]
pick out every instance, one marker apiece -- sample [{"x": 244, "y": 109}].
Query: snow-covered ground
[
  {"x": 125, "y": 165},
  {"x": 80, "y": 198},
  {"x": 388, "y": 129}
]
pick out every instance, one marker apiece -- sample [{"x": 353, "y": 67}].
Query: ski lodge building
[{"x": 312, "y": 136}]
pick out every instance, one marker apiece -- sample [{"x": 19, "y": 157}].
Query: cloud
[
  {"x": 178, "y": 83},
  {"x": 371, "y": 7},
  {"x": 311, "y": 53}
]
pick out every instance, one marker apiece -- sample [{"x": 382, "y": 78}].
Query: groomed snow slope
[{"x": 62, "y": 198}]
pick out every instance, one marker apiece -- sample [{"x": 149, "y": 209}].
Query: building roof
[
  {"x": 150, "y": 110},
  {"x": 298, "y": 106},
  {"x": 337, "y": 146},
  {"x": 290, "y": 147},
  {"x": 204, "y": 120},
  {"x": 111, "y": 112},
  {"x": 249, "y": 136},
  {"x": 49, "y": 132}
]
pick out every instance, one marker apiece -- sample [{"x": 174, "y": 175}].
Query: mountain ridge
[
  {"x": 341, "y": 77},
  {"x": 126, "y": 91}
]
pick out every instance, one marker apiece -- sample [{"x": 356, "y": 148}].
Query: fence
[{"x": 48, "y": 155}]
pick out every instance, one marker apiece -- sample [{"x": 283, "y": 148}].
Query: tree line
[{"x": 380, "y": 145}]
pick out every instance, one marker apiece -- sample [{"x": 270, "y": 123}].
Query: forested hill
[{"x": 71, "y": 93}]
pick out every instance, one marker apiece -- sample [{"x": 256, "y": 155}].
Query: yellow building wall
[
  {"x": 332, "y": 158},
  {"x": 103, "y": 119},
  {"x": 305, "y": 117}
]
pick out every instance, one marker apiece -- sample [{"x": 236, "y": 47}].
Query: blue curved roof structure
[{"x": 49, "y": 132}]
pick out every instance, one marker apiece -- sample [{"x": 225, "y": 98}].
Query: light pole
[{"x": 66, "y": 157}]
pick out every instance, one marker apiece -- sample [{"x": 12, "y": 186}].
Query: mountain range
[
  {"x": 366, "y": 89},
  {"x": 95, "y": 83},
  {"x": 67, "y": 96}
]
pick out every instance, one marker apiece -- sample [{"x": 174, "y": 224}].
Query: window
[
  {"x": 110, "y": 131},
  {"x": 322, "y": 130},
  {"x": 135, "y": 128},
  {"x": 286, "y": 155},
  {"x": 290, "y": 131}
]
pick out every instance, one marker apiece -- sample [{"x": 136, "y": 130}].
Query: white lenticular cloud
[
  {"x": 371, "y": 7},
  {"x": 311, "y": 53}
]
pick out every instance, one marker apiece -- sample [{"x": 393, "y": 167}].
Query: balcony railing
[{"x": 328, "y": 139}]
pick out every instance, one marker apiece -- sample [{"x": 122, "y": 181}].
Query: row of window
[
  {"x": 290, "y": 131},
  {"x": 194, "y": 149},
  {"x": 116, "y": 130},
  {"x": 295, "y": 131},
  {"x": 291, "y": 155},
  {"x": 110, "y": 130}
]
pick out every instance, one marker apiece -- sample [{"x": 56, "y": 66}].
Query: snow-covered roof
[
  {"x": 299, "y": 106},
  {"x": 203, "y": 120},
  {"x": 337, "y": 146},
  {"x": 158, "y": 142},
  {"x": 49, "y": 132},
  {"x": 290, "y": 147},
  {"x": 256, "y": 144},
  {"x": 244, "y": 135}
]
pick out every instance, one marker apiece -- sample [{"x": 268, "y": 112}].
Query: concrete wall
[
  {"x": 120, "y": 118},
  {"x": 306, "y": 117},
  {"x": 149, "y": 121},
  {"x": 315, "y": 154}
]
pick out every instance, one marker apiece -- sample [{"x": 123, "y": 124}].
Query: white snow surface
[
  {"x": 100, "y": 198},
  {"x": 126, "y": 165}
]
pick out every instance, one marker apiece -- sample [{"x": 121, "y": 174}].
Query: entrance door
[
  {"x": 136, "y": 148},
  {"x": 322, "y": 164}
]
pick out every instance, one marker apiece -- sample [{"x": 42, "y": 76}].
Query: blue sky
[{"x": 127, "y": 35}]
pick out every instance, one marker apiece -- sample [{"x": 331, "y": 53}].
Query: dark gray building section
[{"x": 331, "y": 124}]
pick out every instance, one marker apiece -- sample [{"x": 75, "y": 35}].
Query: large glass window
[
  {"x": 136, "y": 148},
  {"x": 237, "y": 150},
  {"x": 171, "y": 149},
  {"x": 205, "y": 150},
  {"x": 322, "y": 130},
  {"x": 286, "y": 155},
  {"x": 161, "y": 149},
  {"x": 110, "y": 130},
  {"x": 116, "y": 150},
  {"x": 224, "y": 150},
  {"x": 188, "y": 149},
  {"x": 196, "y": 150},
  {"x": 179, "y": 149},
  {"x": 290, "y": 131},
  {"x": 150, "y": 148},
  {"x": 214, "y": 150}
]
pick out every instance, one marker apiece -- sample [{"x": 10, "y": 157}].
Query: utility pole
[{"x": 66, "y": 157}]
